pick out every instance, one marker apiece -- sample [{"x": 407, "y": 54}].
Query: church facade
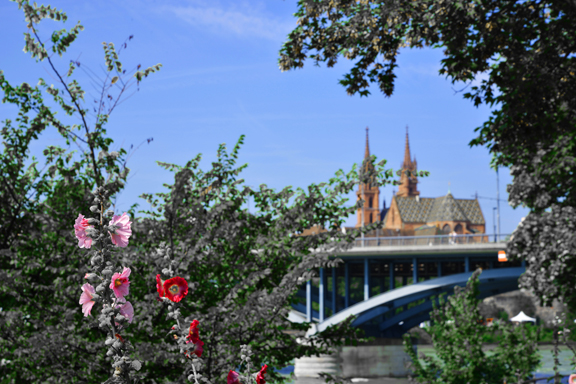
[{"x": 412, "y": 215}]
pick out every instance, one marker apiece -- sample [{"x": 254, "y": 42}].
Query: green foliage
[
  {"x": 243, "y": 269},
  {"x": 458, "y": 335},
  {"x": 523, "y": 55},
  {"x": 43, "y": 334}
]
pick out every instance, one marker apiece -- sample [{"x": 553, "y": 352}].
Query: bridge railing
[{"x": 430, "y": 240}]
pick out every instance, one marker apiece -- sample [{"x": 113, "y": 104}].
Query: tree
[
  {"x": 243, "y": 268},
  {"x": 457, "y": 335},
  {"x": 526, "y": 49},
  {"x": 42, "y": 337}
]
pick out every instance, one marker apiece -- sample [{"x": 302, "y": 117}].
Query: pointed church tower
[
  {"x": 408, "y": 185},
  {"x": 370, "y": 195}
]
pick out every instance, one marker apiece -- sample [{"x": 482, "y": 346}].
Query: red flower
[
  {"x": 119, "y": 338},
  {"x": 232, "y": 378},
  {"x": 175, "y": 289},
  {"x": 193, "y": 337},
  {"x": 260, "y": 376},
  {"x": 193, "y": 332},
  {"x": 159, "y": 286}
]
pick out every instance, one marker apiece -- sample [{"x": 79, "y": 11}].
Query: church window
[
  {"x": 446, "y": 229},
  {"x": 458, "y": 229},
  {"x": 370, "y": 203},
  {"x": 370, "y": 218}
]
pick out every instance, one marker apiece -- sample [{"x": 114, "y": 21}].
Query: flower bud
[
  {"x": 94, "y": 209},
  {"x": 110, "y": 213},
  {"x": 117, "y": 344},
  {"x": 166, "y": 271},
  {"x": 120, "y": 318},
  {"x": 93, "y": 221},
  {"x": 136, "y": 365},
  {"x": 92, "y": 232},
  {"x": 96, "y": 260},
  {"x": 107, "y": 273},
  {"x": 100, "y": 288},
  {"x": 110, "y": 352},
  {"x": 190, "y": 377},
  {"x": 109, "y": 341}
]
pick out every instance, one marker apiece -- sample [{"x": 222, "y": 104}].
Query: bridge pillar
[
  {"x": 334, "y": 288},
  {"x": 466, "y": 264},
  {"x": 309, "y": 301},
  {"x": 311, "y": 366},
  {"x": 439, "y": 269},
  {"x": 346, "y": 285},
  {"x": 366, "y": 278},
  {"x": 391, "y": 287},
  {"x": 414, "y": 270},
  {"x": 321, "y": 296},
  {"x": 382, "y": 358}
]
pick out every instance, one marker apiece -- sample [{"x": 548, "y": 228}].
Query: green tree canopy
[{"x": 523, "y": 54}]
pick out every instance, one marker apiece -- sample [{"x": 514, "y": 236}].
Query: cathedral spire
[
  {"x": 407, "y": 160},
  {"x": 367, "y": 152},
  {"x": 408, "y": 183},
  {"x": 369, "y": 212}
]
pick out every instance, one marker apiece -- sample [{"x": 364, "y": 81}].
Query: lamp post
[
  {"x": 498, "y": 201},
  {"x": 494, "y": 221},
  {"x": 363, "y": 202}
]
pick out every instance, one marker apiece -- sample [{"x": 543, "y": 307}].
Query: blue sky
[{"x": 220, "y": 79}]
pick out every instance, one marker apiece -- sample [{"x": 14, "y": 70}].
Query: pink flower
[
  {"x": 232, "y": 378},
  {"x": 86, "y": 299},
  {"x": 120, "y": 283},
  {"x": 126, "y": 310},
  {"x": 80, "y": 231},
  {"x": 123, "y": 230},
  {"x": 260, "y": 376},
  {"x": 175, "y": 289}
]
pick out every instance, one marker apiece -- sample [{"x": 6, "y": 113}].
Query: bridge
[{"x": 390, "y": 283}]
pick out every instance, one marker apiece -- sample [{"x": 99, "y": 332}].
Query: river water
[{"x": 545, "y": 370}]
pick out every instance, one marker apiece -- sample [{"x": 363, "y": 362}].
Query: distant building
[{"x": 412, "y": 215}]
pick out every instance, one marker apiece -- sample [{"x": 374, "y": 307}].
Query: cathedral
[{"x": 412, "y": 215}]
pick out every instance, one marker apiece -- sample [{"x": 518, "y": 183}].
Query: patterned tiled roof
[
  {"x": 412, "y": 210},
  {"x": 445, "y": 208},
  {"x": 472, "y": 210}
]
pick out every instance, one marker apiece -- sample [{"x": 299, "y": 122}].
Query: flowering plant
[
  {"x": 242, "y": 269},
  {"x": 117, "y": 313}
]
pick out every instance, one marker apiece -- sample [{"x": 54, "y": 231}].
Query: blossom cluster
[
  {"x": 119, "y": 234},
  {"x": 174, "y": 289}
]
